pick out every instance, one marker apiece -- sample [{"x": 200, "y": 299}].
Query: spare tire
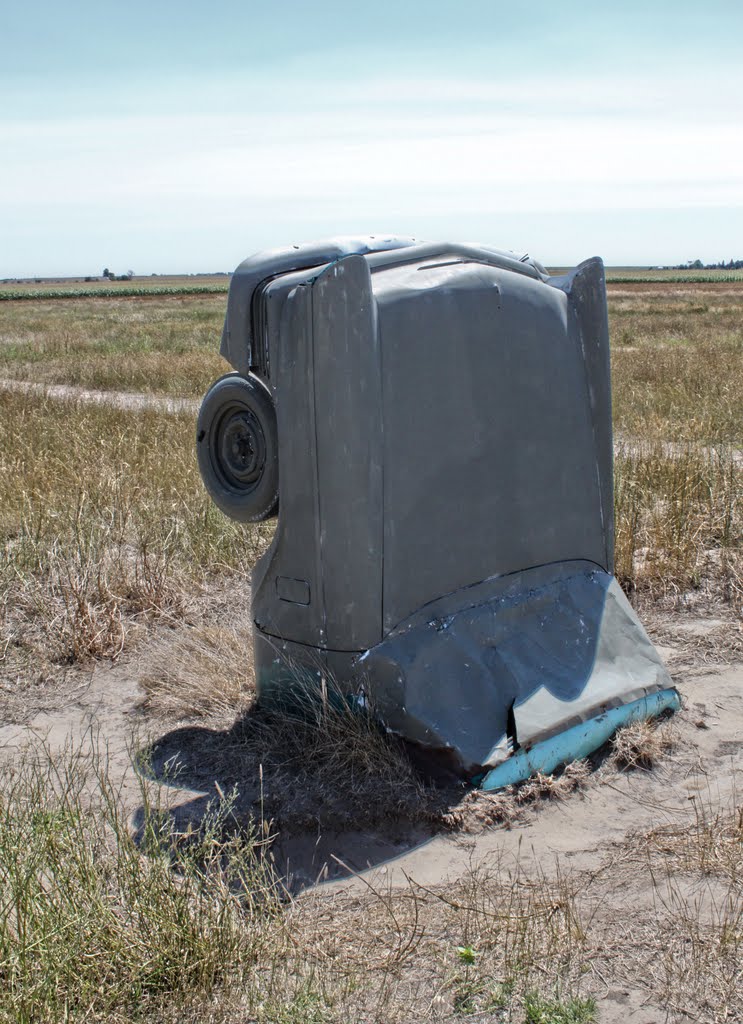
[{"x": 238, "y": 449}]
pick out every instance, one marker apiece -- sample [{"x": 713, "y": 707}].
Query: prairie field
[
  {"x": 168, "y": 345},
  {"x": 161, "y": 837}
]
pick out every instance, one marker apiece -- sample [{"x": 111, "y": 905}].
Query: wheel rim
[{"x": 239, "y": 448}]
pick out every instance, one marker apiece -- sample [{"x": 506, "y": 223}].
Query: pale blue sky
[{"x": 179, "y": 138}]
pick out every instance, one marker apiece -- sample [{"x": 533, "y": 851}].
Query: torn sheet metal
[
  {"x": 513, "y": 660},
  {"x": 443, "y": 420}
]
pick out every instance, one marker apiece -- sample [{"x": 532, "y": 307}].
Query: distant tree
[
  {"x": 130, "y": 274},
  {"x": 698, "y": 265}
]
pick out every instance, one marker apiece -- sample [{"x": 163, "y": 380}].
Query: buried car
[{"x": 432, "y": 424}]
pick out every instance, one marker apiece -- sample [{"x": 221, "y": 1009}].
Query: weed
[
  {"x": 542, "y": 1010},
  {"x": 466, "y": 954},
  {"x": 474, "y": 992}
]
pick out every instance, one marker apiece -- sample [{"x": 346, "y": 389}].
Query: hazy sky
[{"x": 180, "y": 137}]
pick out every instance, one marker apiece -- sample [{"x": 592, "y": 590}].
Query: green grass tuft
[{"x": 541, "y": 1010}]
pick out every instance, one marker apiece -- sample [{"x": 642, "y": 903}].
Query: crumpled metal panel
[{"x": 512, "y": 660}]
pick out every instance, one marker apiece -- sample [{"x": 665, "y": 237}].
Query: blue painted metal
[{"x": 578, "y": 741}]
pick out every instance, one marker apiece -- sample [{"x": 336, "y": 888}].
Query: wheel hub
[{"x": 242, "y": 448}]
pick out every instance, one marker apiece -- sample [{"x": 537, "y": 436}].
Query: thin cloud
[{"x": 404, "y": 152}]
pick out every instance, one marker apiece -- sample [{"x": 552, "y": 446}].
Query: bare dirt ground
[
  {"x": 588, "y": 835},
  {"x": 705, "y": 657}
]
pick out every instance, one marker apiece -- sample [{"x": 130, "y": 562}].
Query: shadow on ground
[{"x": 336, "y": 806}]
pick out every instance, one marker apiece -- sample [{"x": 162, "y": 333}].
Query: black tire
[{"x": 238, "y": 448}]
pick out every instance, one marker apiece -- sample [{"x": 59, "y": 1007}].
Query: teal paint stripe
[{"x": 578, "y": 741}]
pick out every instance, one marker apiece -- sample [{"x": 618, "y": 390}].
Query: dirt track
[
  {"x": 138, "y": 401},
  {"x": 118, "y": 399}
]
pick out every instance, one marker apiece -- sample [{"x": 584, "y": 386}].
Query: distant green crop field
[
  {"x": 627, "y": 275},
  {"x": 113, "y": 292},
  {"x": 218, "y": 284},
  {"x": 649, "y": 275}
]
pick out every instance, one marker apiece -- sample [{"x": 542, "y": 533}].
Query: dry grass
[
  {"x": 319, "y": 763},
  {"x": 642, "y": 744},
  {"x": 104, "y": 525},
  {"x": 504, "y": 941},
  {"x": 478, "y": 810},
  {"x": 711, "y": 844},
  {"x": 678, "y": 376},
  {"x": 507, "y": 942},
  {"x": 94, "y": 926},
  {"x": 168, "y": 345},
  {"x": 694, "y": 943},
  {"x": 202, "y": 671},
  {"x": 553, "y": 787},
  {"x": 677, "y": 352},
  {"x": 677, "y": 363},
  {"x": 679, "y": 521},
  {"x": 192, "y": 924},
  {"x": 484, "y": 945}
]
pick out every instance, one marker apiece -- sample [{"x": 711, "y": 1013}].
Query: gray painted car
[{"x": 432, "y": 423}]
